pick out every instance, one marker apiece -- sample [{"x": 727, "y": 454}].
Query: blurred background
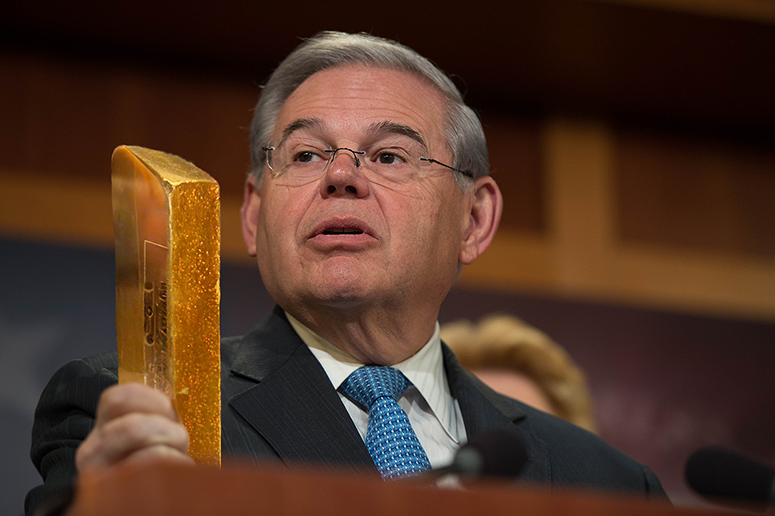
[{"x": 634, "y": 141}]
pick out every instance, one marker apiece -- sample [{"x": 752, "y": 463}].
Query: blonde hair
[{"x": 507, "y": 343}]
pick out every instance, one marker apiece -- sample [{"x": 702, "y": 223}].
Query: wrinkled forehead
[{"x": 357, "y": 98}]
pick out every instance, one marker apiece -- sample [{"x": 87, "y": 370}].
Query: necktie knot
[
  {"x": 391, "y": 442},
  {"x": 369, "y": 383}
]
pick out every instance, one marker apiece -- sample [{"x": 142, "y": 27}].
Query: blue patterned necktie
[{"x": 392, "y": 443}]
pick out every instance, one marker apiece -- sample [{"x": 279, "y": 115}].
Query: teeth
[{"x": 340, "y": 231}]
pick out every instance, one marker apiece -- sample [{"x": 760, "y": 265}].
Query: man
[{"x": 369, "y": 190}]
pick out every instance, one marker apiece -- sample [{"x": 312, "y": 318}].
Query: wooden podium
[{"x": 169, "y": 490}]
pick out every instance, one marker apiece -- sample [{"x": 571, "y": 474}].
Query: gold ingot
[{"x": 166, "y": 216}]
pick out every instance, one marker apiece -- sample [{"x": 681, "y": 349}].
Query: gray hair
[{"x": 464, "y": 132}]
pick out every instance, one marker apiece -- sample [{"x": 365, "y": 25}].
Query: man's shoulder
[
  {"x": 108, "y": 360},
  {"x": 575, "y": 457},
  {"x": 270, "y": 338},
  {"x": 100, "y": 361},
  {"x": 582, "y": 459},
  {"x": 103, "y": 365},
  {"x": 568, "y": 443},
  {"x": 264, "y": 335},
  {"x": 229, "y": 348}
]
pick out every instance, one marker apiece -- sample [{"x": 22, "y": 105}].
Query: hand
[{"x": 135, "y": 424}]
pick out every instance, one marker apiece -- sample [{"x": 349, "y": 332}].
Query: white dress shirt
[{"x": 433, "y": 413}]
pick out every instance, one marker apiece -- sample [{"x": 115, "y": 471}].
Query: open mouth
[
  {"x": 342, "y": 231},
  {"x": 348, "y": 229}
]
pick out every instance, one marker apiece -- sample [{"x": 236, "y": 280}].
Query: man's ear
[
  {"x": 251, "y": 202},
  {"x": 484, "y": 217}
]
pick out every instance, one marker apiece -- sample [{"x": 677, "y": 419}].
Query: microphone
[
  {"x": 726, "y": 476},
  {"x": 495, "y": 453}
]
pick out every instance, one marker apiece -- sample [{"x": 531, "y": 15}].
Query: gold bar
[{"x": 166, "y": 217}]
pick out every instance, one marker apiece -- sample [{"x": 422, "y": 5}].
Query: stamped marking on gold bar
[
  {"x": 166, "y": 215},
  {"x": 158, "y": 372}
]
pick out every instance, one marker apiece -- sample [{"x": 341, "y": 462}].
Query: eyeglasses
[{"x": 397, "y": 160}]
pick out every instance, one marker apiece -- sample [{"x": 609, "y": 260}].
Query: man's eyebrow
[
  {"x": 300, "y": 123},
  {"x": 392, "y": 127}
]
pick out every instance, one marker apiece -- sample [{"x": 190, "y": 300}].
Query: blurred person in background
[{"x": 522, "y": 362}]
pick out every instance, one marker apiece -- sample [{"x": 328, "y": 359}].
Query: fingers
[
  {"x": 123, "y": 399},
  {"x": 114, "y": 441},
  {"x": 135, "y": 424},
  {"x": 158, "y": 453}
]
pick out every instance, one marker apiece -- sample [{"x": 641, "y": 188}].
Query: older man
[{"x": 369, "y": 190}]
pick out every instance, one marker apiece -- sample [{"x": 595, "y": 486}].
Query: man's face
[{"x": 347, "y": 239}]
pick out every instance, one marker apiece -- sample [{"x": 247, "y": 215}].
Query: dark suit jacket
[{"x": 278, "y": 405}]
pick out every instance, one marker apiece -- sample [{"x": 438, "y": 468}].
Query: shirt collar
[{"x": 425, "y": 369}]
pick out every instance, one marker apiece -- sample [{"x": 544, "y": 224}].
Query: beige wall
[{"x": 607, "y": 238}]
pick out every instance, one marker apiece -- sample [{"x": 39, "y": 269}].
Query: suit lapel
[
  {"x": 483, "y": 409},
  {"x": 285, "y": 395},
  {"x": 292, "y": 404}
]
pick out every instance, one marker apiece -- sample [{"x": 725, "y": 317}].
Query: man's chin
[{"x": 341, "y": 298}]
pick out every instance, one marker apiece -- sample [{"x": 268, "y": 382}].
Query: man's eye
[
  {"x": 387, "y": 158},
  {"x": 306, "y": 157}
]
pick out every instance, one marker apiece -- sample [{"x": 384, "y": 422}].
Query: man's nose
[{"x": 344, "y": 175}]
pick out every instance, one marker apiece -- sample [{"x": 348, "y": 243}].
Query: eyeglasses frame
[{"x": 358, "y": 161}]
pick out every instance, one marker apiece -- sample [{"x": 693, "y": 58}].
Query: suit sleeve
[
  {"x": 64, "y": 417},
  {"x": 654, "y": 488}
]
